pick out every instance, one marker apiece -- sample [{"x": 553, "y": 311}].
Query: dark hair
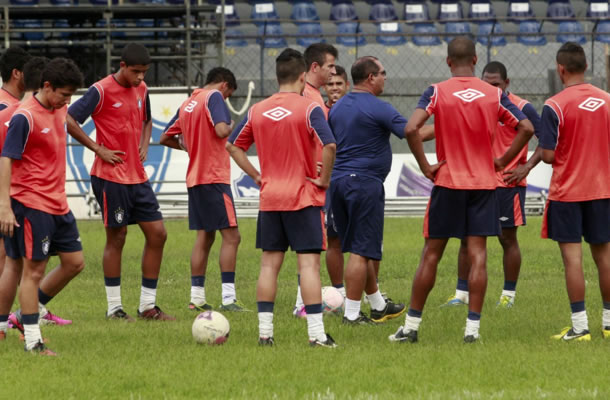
[
  {"x": 135, "y": 54},
  {"x": 461, "y": 50},
  {"x": 32, "y": 73},
  {"x": 60, "y": 73},
  {"x": 496, "y": 67},
  {"x": 572, "y": 56},
  {"x": 341, "y": 72},
  {"x": 317, "y": 52},
  {"x": 289, "y": 65},
  {"x": 363, "y": 67},
  {"x": 220, "y": 74},
  {"x": 13, "y": 58}
]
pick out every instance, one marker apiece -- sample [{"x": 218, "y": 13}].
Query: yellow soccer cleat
[
  {"x": 606, "y": 332},
  {"x": 568, "y": 335}
]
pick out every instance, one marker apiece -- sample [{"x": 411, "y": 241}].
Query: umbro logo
[
  {"x": 468, "y": 95},
  {"x": 117, "y": 105},
  {"x": 591, "y": 104},
  {"x": 45, "y": 131},
  {"x": 277, "y": 113},
  {"x": 503, "y": 219},
  {"x": 7, "y": 123}
]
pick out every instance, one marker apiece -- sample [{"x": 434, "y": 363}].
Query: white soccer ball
[
  {"x": 210, "y": 327},
  {"x": 332, "y": 301}
]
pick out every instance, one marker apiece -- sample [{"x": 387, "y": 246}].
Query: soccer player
[
  {"x": 575, "y": 139},
  {"x": 120, "y": 108},
  {"x": 204, "y": 122},
  {"x": 289, "y": 130},
  {"x": 463, "y": 200},
  {"x": 34, "y": 213},
  {"x": 336, "y": 87},
  {"x": 320, "y": 59},
  {"x": 510, "y": 192},
  {"x": 11, "y": 70},
  {"x": 362, "y": 125}
]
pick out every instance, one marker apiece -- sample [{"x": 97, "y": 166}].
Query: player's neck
[
  {"x": 121, "y": 80},
  {"x": 462, "y": 71},
  {"x": 12, "y": 89},
  {"x": 294, "y": 87},
  {"x": 42, "y": 99},
  {"x": 311, "y": 80},
  {"x": 27, "y": 95},
  {"x": 573, "y": 80}
]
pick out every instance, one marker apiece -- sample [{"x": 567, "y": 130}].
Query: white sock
[
  {"x": 580, "y": 322},
  {"x": 376, "y": 300},
  {"x": 342, "y": 291},
  {"x": 228, "y": 293},
  {"x": 148, "y": 298},
  {"x": 32, "y": 335},
  {"x": 411, "y": 323},
  {"x": 113, "y": 295},
  {"x": 472, "y": 327},
  {"x": 198, "y": 295},
  {"x": 462, "y": 295},
  {"x": 352, "y": 309},
  {"x": 315, "y": 327},
  {"x": 606, "y": 318},
  {"x": 509, "y": 293},
  {"x": 265, "y": 324},
  {"x": 4, "y": 326},
  {"x": 299, "y": 303},
  {"x": 42, "y": 310}
]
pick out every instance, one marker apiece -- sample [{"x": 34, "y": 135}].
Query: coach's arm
[{"x": 414, "y": 139}]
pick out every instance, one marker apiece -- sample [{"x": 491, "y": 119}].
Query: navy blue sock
[
  {"x": 313, "y": 309},
  {"x": 149, "y": 283},
  {"x": 112, "y": 281},
  {"x": 43, "y": 298},
  {"x": 227, "y": 277},
  {"x": 3, "y": 318},
  {"x": 339, "y": 286},
  {"x": 265, "y": 306},
  {"x": 510, "y": 285},
  {"x": 29, "y": 319},
  {"x": 577, "y": 306},
  {"x": 474, "y": 316},
  {"x": 299, "y": 279},
  {"x": 414, "y": 313},
  {"x": 198, "y": 280},
  {"x": 462, "y": 285},
  {"x": 607, "y": 305}
]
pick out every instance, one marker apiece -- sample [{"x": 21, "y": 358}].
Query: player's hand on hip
[
  {"x": 8, "y": 222},
  {"x": 516, "y": 175},
  {"x": 318, "y": 182},
  {"x": 143, "y": 153},
  {"x": 498, "y": 164},
  {"x": 433, "y": 170},
  {"x": 110, "y": 156},
  {"x": 319, "y": 167}
]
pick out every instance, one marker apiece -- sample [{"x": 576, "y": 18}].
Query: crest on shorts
[
  {"x": 119, "y": 214},
  {"x": 46, "y": 244}
]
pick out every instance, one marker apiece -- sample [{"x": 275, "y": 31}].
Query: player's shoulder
[{"x": 516, "y": 100}]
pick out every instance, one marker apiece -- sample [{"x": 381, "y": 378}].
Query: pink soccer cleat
[
  {"x": 299, "y": 312},
  {"x": 51, "y": 319}
]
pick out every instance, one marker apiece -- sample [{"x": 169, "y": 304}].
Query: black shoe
[
  {"x": 402, "y": 337},
  {"x": 266, "y": 341},
  {"x": 120, "y": 315},
  {"x": 471, "y": 339},
  {"x": 391, "y": 310},
  {"x": 361, "y": 320},
  {"x": 329, "y": 342}
]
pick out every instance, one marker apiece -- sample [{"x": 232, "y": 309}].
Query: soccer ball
[
  {"x": 210, "y": 327},
  {"x": 332, "y": 301}
]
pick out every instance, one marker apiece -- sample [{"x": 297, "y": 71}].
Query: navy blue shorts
[
  {"x": 329, "y": 221},
  {"x": 302, "y": 230},
  {"x": 125, "y": 204},
  {"x": 211, "y": 207},
  {"x": 358, "y": 206},
  {"x": 568, "y": 222},
  {"x": 41, "y": 234},
  {"x": 460, "y": 213},
  {"x": 512, "y": 206}
]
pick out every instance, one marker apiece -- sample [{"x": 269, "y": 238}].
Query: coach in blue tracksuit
[{"x": 362, "y": 124}]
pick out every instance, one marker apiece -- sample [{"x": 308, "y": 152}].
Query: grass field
[{"x": 102, "y": 359}]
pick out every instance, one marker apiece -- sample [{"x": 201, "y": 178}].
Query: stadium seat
[
  {"x": 29, "y": 24},
  {"x": 24, "y": 2},
  {"x": 231, "y": 17},
  {"x": 271, "y": 28},
  {"x": 351, "y": 28},
  {"x": 448, "y": 11},
  {"x": 313, "y": 28},
  {"x": 599, "y": 10},
  {"x": 418, "y": 11},
  {"x": 571, "y": 31},
  {"x": 263, "y": 10},
  {"x": 482, "y": 12},
  {"x": 560, "y": 11},
  {"x": 343, "y": 10},
  {"x": 384, "y": 15},
  {"x": 530, "y": 26},
  {"x": 305, "y": 10},
  {"x": 520, "y": 10}
]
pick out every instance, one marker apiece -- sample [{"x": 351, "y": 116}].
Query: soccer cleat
[
  {"x": 362, "y": 319},
  {"x": 51, "y": 319},
  {"x": 22, "y": 339},
  {"x": 505, "y": 302},
  {"x": 569, "y": 335},
  {"x": 329, "y": 342},
  {"x": 155, "y": 314},
  {"x": 266, "y": 341},
  {"x": 454, "y": 301},
  {"x": 390, "y": 311},
  {"x": 120, "y": 315},
  {"x": 402, "y": 337},
  {"x": 2, "y": 335},
  {"x": 15, "y": 320},
  {"x": 299, "y": 312},
  {"x": 606, "y": 332},
  {"x": 200, "y": 308},
  {"x": 40, "y": 349},
  {"x": 236, "y": 306},
  {"x": 472, "y": 338}
]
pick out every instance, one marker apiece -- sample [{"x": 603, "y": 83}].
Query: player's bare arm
[
  {"x": 548, "y": 156},
  {"x": 329, "y": 152},
  {"x": 170, "y": 141},
  {"x": 521, "y": 172},
  {"x": 7, "y": 218},
  {"x": 145, "y": 139},
  {"x": 241, "y": 159},
  {"x": 223, "y": 130},
  {"x": 413, "y": 136},
  {"x": 109, "y": 156},
  {"x": 525, "y": 131},
  {"x": 426, "y": 133}
]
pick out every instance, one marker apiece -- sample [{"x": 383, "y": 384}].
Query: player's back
[
  {"x": 581, "y": 170},
  {"x": 6, "y": 99}
]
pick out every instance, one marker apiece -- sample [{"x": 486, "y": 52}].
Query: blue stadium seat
[
  {"x": 571, "y": 31},
  {"x": 61, "y": 3},
  {"x": 483, "y": 13},
  {"x": 450, "y": 10},
  {"x": 481, "y": 10},
  {"x": 231, "y": 17},
  {"x": 117, "y": 23},
  {"x": 271, "y": 28},
  {"x": 304, "y": 10},
  {"x": 384, "y": 14},
  {"x": 352, "y": 27},
  {"x": 234, "y": 38},
  {"x": 30, "y": 24},
  {"x": 432, "y": 40},
  {"x": 313, "y": 28},
  {"x": 24, "y": 2},
  {"x": 599, "y": 10},
  {"x": 560, "y": 9},
  {"x": 520, "y": 10},
  {"x": 530, "y": 26},
  {"x": 418, "y": 11},
  {"x": 343, "y": 10},
  {"x": 263, "y": 10}
]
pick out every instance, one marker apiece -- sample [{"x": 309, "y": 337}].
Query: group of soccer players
[{"x": 321, "y": 174}]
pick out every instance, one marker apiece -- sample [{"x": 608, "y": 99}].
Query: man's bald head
[{"x": 461, "y": 51}]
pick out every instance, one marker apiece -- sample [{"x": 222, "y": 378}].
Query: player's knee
[
  {"x": 232, "y": 237},
  {"x": 117, "y": 238},
  {"x": 159, "y": 237},
  {"x": 77, "y": 267},
  {"x": 33, "y": 274}
]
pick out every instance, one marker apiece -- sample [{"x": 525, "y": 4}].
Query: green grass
[{"x": 102, "y": 359}]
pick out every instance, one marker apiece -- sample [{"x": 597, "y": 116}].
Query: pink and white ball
[
  {"x": 332, "y": 301},
  {"x": 210, "y": 327}
]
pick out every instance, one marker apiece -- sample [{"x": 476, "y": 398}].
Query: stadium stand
[
  {"x": 485, "y": 18},
  {"x": 417, "y": 12},
  {"x": 598, "y": 10},
  {"x": 384, "y": 14},
  {"x": 561, "y": 11},
  {"x": 343, "y": 13}
]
